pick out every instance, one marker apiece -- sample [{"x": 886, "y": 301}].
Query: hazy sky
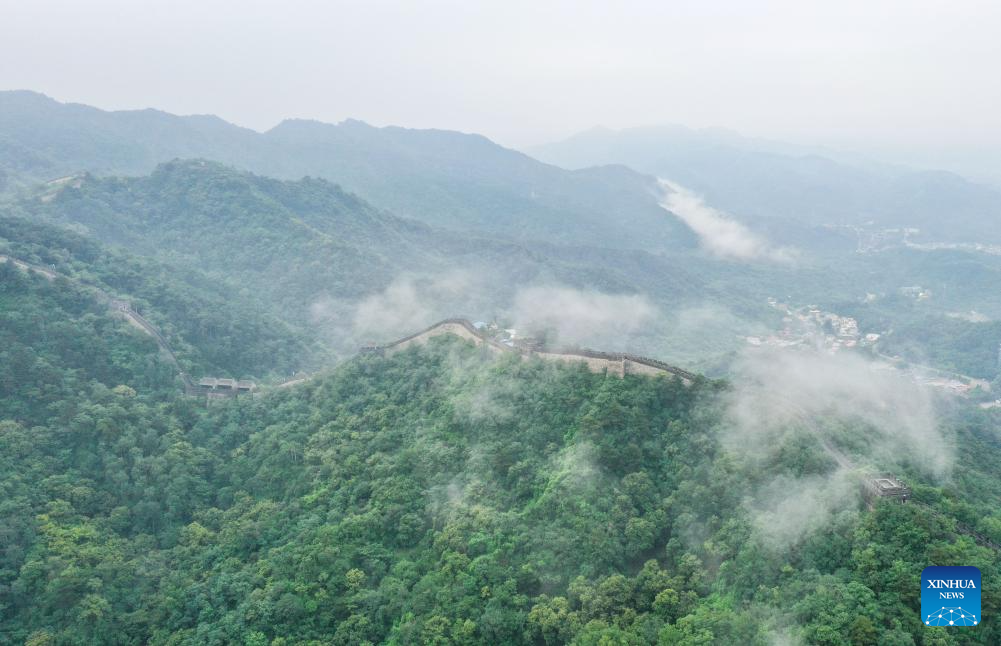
[{"x": 916, "y": 73}]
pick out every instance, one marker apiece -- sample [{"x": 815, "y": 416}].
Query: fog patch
[
  {"x": 409, "y": 303},
  {"x": 484, "y": 403},
  {"x": 563, "y": 316},
  {"x": 787, "y": 509},
  {"x": 866, "y": 417},
  {"x": 575, "y": 467},
  {"x": 718, "y": 233},
  {"x": 476, "y": 397},
  {"x": 399, "y": 309},
  {"x": 464, "y": 491},
  {"x": 784, "y": 636},
  {"x": 697, "y": 317},
  {"x": 460, "y": 496},
  {"x": 778, "y": 394},
  {"x": 583, "y": 317}
]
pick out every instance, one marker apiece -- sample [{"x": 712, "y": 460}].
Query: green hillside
[
  {"x": 442, "y": 496},
  {"x": 294, "y": 247},
  {"x": 308, "y": 254},
  {"x": 211, "y": 328},
  {"x": 57, "y": 341},
  {"x": 443, "y": 178},
  {"x": 246, "y": 230},
  {"x": 410, "y": 376},
  {"x": 499, "y": 221}
]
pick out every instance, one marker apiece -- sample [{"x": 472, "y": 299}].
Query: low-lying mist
[
  {"x": 718, "y": 233},
  {"x": 409, "y": 303},
  {"x": 864, "y": 416},
  {"x": 802, "y": 426},
  {"x": 583, "y": 317},
  {"x": 568, "y": 316}
]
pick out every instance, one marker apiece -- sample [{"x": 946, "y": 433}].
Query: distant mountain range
[
  {"x": 414, "y": 226},
  {"x": 314, "y": 254},
  {"x": 308, "y": 244},
  {"x": 784, "y": 188},
  {"x": 443, "y": 178},
  {"x": 609, "y": 197}
]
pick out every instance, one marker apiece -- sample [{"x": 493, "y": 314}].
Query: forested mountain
[
  {"x": 312, "y": 256},
  {"x": 388, "y": 382},
  {"x": 282, "y": 237},
  {"x": 42, "y": 139},
  {"x": 443, "y": 178},
  {"x": 783, "y": 188},
  {"x": 211, "y": 327},
  {"x": 443, "y": 496},
  {"x": 311, "y": 253},
  {"x": 57, "y": 341},
  {"x": 318, "y": 251},
  {"x": 468, "y": 182},
  {"x": 297, "y": 246}
]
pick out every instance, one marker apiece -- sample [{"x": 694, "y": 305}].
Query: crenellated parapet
[
  {"x": 614, "y": 363},
  {"x": 454, "y": 326}
]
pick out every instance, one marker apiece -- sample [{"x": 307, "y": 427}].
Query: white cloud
[
  {"x": 719, "y": 233},
  {"x": 409, "y": 303},
  {"x": 583, "y": 317},
  {"x": 868, "y": 418}
]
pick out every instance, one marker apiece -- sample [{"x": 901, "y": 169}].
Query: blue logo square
[{"x": 950, "y": 596}]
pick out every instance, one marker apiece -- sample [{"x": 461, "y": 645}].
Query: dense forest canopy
[
  {"x": 211, "y": 326},
  {"x": 439, "y": 496}
]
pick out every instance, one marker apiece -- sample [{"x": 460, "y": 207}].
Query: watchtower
[
  {"x": 886, "y": 486},
  {"x": 223, "y": 387}
]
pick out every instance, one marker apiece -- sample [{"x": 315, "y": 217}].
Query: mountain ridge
[
  {"x": 444, "y": 178},
  {"x": 787, "y": 190}
]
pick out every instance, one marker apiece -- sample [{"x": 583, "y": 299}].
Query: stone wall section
[{"x": 618, "y": 364}]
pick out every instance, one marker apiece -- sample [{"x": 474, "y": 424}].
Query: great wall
[
  {"x": 619, "y": 364},
  {"x": 119, "y": 307},
  {"x": 612, "y": 363},
  {"x": 874, "y": 486}
]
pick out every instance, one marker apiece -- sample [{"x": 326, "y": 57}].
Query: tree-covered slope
[
  {"x": 291, "y": 245},
  {"x": 441, "y": 177},
  {"x": 312, "y": 249},
  {"x": 467, "y": 182},
  {"x": 42, "y": 139},
  {"x": 211, "y": 328},
  {"x": 311, "y": 252},
  {"x": 245, "y": 229},
  {"x": 444, "y": 496},
  {"x": 56, "y": 341},
  {"x": 311, "y": 256}
]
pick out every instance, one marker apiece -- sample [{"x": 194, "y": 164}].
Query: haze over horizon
[{"x": 902, "y": 82}]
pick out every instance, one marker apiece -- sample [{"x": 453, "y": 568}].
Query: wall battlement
[{"x": 615, "y": 363}]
